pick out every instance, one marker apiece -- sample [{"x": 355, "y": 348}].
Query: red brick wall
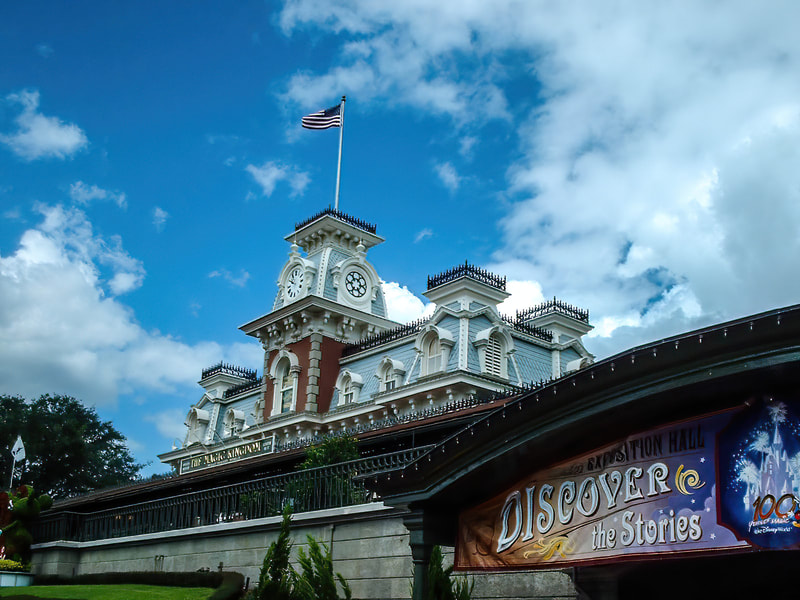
[{"x": 329, "y": 370}]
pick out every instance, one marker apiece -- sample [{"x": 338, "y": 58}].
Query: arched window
[
  {"x": 284, "y": 381},
  {"x": 389, "y": 374},
  {"x": 387, "y": 381},
  {"x": 434, "y": 345},
  {"x": 432, "y": 354},
  {"x": 284, "y": 374},
  {"x": 347, "y": 391},
  {"x": 234, "y": 422},
  {"x": 196, "y": 421},
  {"x": 349, "y": 385}
]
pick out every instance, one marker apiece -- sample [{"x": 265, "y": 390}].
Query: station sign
[
  {"x": 227, "y": 455},
  {"x": 726, "y": 481}
]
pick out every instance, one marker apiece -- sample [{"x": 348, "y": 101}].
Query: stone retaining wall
[{"x": 369, "y": 548}]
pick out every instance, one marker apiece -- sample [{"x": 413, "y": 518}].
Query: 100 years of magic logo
[{"x": 724, "y": 481}]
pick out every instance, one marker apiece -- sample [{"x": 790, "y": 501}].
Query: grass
[{"x": 105, "y": 592}]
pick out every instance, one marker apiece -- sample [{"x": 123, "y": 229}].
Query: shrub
[
  {"x": 19, "y": 509},
  {"x": 318, "y": 581},
  {"x": 331, "y": 451},
  {"x": 277, "y": 578},
  {"x": 441, "y": 586},
  {"x": 279, "y": 581},
  {"x": 13, "y": 565}
]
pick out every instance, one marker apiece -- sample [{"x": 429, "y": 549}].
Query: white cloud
[
  {"x": 160, "y": 217},
  {"x": 524, "y": 294},
  {"x": 402, "y": 305},
  {"x": 466, "y": 145},
  {"x": 448, "y": 175},
  {"x": 62, "y": 329},
  {"x": 423, "y": 234},
  {"x": 656, "y": 181},
  {"x": 38, "y": 136},
  {"x": 271, "y": 173},
  {"x": 235, "y": 280},
  {"x": 83, "y": 194},
  {"x": 169, "y": 423}
]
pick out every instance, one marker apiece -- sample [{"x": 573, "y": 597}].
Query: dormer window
[
  {"x": 434, "y": 345},
  {"x": 494, "y": 356},
  {"x": 494, "y": 347},
  {"x": 196, "y": 421},
  {"x": 390, "y": 374},
  {"x": 234, "y": 422},
  {"x": 347, "y": 391},
  {"x": 349, "y": 385},
  {"x": 432, "y": 354}
]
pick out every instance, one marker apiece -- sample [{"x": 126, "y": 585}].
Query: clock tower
[{"x": 329, "y": 295}]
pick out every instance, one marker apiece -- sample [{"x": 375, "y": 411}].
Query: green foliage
[
  {"x": 441, "y": 586},
  {"x": 69, "y": 449},
  {"x": 318, "y": 581},
  {"x": 18, "y": 511},
  {"x": 277, "y": 579},
  {"x": 13, "y": 565},
  {"x": 331, "y": 451}
]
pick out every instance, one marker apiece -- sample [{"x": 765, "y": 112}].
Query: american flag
[{"x": 324, "y": 119}]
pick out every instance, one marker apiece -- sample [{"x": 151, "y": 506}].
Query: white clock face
[
  {"x": 355, "y": 284},
  {"x": 294, "y": 283}
]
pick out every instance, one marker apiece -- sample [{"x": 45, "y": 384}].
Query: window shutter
[{"x": 494, "y": 357}]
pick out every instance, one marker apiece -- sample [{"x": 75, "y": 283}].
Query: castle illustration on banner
[{"x": 766, "y": 467}]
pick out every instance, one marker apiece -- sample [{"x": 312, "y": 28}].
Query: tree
[{"x": 69, "y": 449}]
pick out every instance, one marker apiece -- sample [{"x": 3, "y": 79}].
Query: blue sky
[{"x": 640, "y": 162}]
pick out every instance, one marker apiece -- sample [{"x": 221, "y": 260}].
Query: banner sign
[
  {"x": 212, "y": 459},
  {"x": 721, "y": 482}
]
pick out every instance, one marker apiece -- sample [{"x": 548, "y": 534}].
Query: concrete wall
[{"x": 369, "y": 548}]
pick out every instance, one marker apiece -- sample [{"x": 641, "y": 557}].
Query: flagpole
[
  {"x": 339, "y": 167},
  {"x": 11, "y": 481}
]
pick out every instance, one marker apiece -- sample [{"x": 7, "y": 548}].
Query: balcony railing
[
  {"x": 467, "y": 270},
  {"x": 355, "y": 222},
  {"x": 242, "y": 387},
  {"x": 550, "y": 306},
  {"x": 227, "y": 369},
  {"x": 313, "y": 489},
  {"x": 385, "y": 337}
]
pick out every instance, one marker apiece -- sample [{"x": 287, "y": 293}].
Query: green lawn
[{"x": 105, "y": 592}]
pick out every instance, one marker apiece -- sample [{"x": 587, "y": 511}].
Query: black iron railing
[
  {"x": 242, "y": 387},
  {"x": 520, "y": 325},
  {"x": 227, "y": 369},
  {"x": 379, "y": 339},
  {"x": 553, "y": 305},
  {"x": 467, "y": 270},
  {"x": 355, "y": 222},
  {"x": 313, "y": 489}
]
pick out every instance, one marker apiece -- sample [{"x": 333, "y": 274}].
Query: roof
[{"x": 674, "y": 378}]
